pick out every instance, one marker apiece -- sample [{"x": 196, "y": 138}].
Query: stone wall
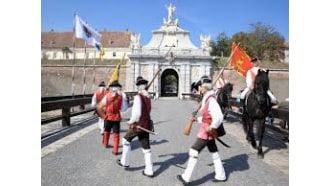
[{"x": 57, "y": 81}]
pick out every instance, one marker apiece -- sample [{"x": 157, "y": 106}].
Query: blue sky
[{"x": 142, "y": 16}]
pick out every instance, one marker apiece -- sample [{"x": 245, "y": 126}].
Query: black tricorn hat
[
  {"x": 255, "y": 59},
  {"x": 115, "y": 84},
  {"x": 102, "y": 84},
  {"x": 141, "y": 81},
  {"x": 204, "y": 77},
  {"x": 206, "y": 80}
]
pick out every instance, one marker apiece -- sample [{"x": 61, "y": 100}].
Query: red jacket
[{"x": 113, "y": 107}]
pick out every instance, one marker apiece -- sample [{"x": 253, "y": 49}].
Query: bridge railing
[
  {"x": 66, "y": 103},
  {"x": 279, "y": 113}
]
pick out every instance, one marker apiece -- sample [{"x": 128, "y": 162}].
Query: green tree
[
  {"x": 263, "y": 41},
  {"x": 221, "y": 47},
  {"x": 245, "y": 40}
]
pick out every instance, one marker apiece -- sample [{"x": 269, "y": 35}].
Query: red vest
[
  {"x": 113, "y": 107},
  {"x": 206, "y": 121},
  {"x": 145, "y": 112}
]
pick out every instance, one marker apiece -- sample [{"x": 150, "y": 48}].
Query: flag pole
[
  {"x": 74, "y": 54},
  {"x": 93, "y": 86},
  {"x": 223, "y": 68},
  {"x": 84, "y": 68}
]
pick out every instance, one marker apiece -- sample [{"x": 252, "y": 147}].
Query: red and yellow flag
[{"x": 240, "y": 61}]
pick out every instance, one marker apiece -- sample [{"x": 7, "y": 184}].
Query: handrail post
[{"x": 66, "y": 116}]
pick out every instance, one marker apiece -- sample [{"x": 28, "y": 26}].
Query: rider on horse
[{"x": 250, "y": 78}]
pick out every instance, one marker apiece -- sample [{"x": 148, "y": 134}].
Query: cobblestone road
[{"x": 80, "y": 159}]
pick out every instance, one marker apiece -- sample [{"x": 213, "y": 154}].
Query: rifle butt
[{"x": 188, "y": 127}]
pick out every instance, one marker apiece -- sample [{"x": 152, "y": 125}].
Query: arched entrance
[{"x": 169, "y": 83}]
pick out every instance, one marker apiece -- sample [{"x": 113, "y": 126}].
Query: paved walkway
[{"x": 80, "y": 159}]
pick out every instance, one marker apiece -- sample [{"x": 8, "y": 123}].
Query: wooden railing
[
  {"x": 275, "y": 112},
  {"x": 282, "y": 114},
  {"x": 66, "y": 103}
]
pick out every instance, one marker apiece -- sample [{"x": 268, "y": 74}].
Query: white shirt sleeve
[
  {"x": 124, "y": 104},
  {"x": 136, "y": 110},
  {"x": 94, "y": 100},
  {"x": 249, "y": 79},
  {"x": 215, "y": 112}
]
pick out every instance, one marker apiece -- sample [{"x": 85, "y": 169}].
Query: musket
[
  {"x": 148, "y": 86},
  {"x": 188, "y": 126}
]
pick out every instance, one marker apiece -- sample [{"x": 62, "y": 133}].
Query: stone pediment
[{"x": 171, "y": 37}]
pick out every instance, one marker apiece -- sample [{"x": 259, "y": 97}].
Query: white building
[
  {"x": 115, "y": 44},
  {"x": 171, "y": 51}
]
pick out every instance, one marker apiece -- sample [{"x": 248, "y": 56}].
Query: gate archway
[{"x": 169, "y": 83}]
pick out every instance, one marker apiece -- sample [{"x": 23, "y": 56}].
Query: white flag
[{"x": 84, "y": 31}]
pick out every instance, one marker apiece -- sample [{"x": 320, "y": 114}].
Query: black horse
[
  {"x": 223, "y": 98},
  {"x": 256, "y": 108}
]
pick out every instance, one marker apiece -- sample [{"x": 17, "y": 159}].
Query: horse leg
[
  {"x": 253, "y": 133},
  {"x": 260, "y": 136},
  {"x": 224, "y": 112},
  {"x": 245, "y": 122}
]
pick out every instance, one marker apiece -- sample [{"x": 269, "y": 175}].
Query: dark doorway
[{"x": 169, "y": 83}]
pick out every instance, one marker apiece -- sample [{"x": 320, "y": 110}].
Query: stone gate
[{"x": 171, "y": 52}]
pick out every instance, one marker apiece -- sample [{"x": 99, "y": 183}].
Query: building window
[
  {"x": 54, "y": 55},
  {"x": 44, "y": 55},
  {"x": 113, "y": 54}
]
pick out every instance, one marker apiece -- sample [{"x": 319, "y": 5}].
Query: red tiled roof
[{"x": 62, "y": 39}]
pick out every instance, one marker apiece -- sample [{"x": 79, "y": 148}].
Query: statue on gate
[
  {"x": 205, "y": 42},
  {"x": 170, "y": 17},
  {"x": 135, "y": 41}
]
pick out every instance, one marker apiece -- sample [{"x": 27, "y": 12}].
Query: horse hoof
[
  {"x": 254, "y": 145},
  {"x": 261, "y": 156}
]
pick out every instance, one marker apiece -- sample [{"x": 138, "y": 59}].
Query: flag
[
  {"x": 102, "y": 52},
  {"x": 115, "y": 74},
  {"x": 240, "y": 61},
  {"x": 84, "y": 31}
]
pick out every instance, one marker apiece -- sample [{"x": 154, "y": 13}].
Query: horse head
[
  {"x": 228, "y": 89},
  {"x": 261, "y": 85},
  {"x": 224, "y": 96}
]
